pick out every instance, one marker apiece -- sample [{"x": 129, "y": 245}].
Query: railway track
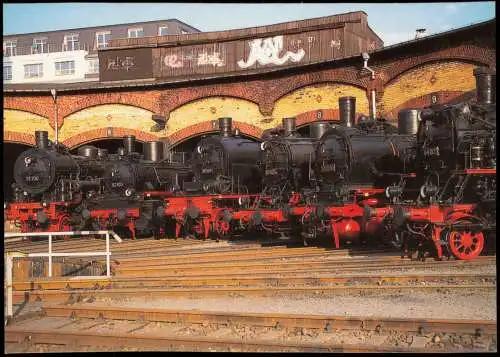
[
  {"x": 269, "y": 279},
  {"x": 58, "y": 331},
  {"x": 71, "y": 296}
]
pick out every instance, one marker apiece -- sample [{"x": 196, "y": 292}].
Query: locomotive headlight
[
  {"x": 129, "y": 192},
  {"x": 199, "y": 149},
  {"x": 5, "y": 205},
  {"x": 28, "y": 160},
  {"x": 25, "y": 193},
  {"x": 263, "y": 145},
  {"x": 44, "y": 204}
]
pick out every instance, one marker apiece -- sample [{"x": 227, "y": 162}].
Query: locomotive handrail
[{"x": 10, "y": 256}]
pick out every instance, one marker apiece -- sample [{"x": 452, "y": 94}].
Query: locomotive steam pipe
[
  {"x": 366, "y": 57},
  {"x": 54, "y": 96}
]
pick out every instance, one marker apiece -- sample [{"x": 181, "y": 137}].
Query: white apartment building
[{"x": 67, "y": 56}]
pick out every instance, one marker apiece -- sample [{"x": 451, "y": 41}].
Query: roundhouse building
[{"x": 174, "y": 88}]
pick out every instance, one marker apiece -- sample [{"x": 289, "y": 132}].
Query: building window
[
  {"x": 93, "y": 66},
  {"x": 7, "y": 73},
  {"x": 135, "y": 32},
  {"x": 33, "y": 70},
  {"x": 71, "y": 43},
  {"x": 162, "y": 31},
  {"x": 102, "y": 39},
  {"x": 184, "y": 32},
  {"x": 65, "y": 68},
  {"x": 9, "y": 48},
  {"x": 40, "y": 45}
]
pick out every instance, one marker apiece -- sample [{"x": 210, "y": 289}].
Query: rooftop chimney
[{"x": 419, "y": 33}]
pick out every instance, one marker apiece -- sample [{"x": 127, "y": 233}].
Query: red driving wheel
[
  {"x": 64, "y": 226},
  {"x": 466, "y": 245}
]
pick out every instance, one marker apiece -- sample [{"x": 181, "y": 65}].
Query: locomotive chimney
[
  {"x": 289, "y": 126},
  {"x": 485, "y": 85},
  {"x": 347, "y": 109},
  {"x": 225, "y": 127},
  {"x": 42, "y": 139},
  {"x": 318, "y": 128},
  {"x": 129, "y": 143},
  {"x": 408, "y": 120},
  {"x": 153, "y": 151}
]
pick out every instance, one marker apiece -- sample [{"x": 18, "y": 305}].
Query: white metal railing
[{"x": 10, "y": 256}]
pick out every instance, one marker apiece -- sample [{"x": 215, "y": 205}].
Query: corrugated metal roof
[{"x": 45, "y": 87}]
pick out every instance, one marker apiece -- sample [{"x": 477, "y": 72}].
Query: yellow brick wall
[
  {"x": 209, "y": 109},
  {"x": 316, "y": 97},
  {"x": 25, "y": 122},
  {"x": 104, "y": 116},
  {"x": 435, "y": 77}
]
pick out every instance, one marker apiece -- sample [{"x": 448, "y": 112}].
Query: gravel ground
[{"x": 415, "y": 304}]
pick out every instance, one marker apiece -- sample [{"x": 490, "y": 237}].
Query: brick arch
[
  {"x": 102, "y": 134},
  {"x": 30, "y": 105},
  {"x": 207, "y": 127},
  {"x": 468, "y": 54},
  {"x": 171, "y": 101},
  {"x": 18, "y": 138},
  {"x": 143, "y": 100},
  {"x": 345, "y": 76},
  {"x": 445, "y": 97}
]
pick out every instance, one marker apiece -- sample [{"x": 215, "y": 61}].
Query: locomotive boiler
[
  {"x": 50, "y": 173},
  {"x": 350, "y": 158},
  {"x": 227, "y": 162},
  {"x": 456, "y": 207},
  {"x": 129, "y": 173}
]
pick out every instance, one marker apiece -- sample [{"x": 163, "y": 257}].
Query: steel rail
[
  {"x": 168, "y": 343},
  {"x": 241, "y": 280},
  {"x": 341, "y": 265},
  {"x": 78, "y": 295},
  {"x": 323, "y": 322}
]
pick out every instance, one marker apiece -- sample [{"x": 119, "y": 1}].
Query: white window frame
[
  {"x": 38, "y": 74},
  {"x": 71, "y": 42},
  {"x": 10, "y": 45},
  {"x": 136, "y": 30},
  {"x": 64, "y": 71},
  {"x": 160, "y": 28},
  {"x": 104, "y": 34},
  {"x": 92, "y": 64},
  {"x": 4, "y": 76},
  {"x": 40, "y": 44}
]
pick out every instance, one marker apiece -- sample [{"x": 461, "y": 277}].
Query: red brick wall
[{"x": 264, "y": 91}]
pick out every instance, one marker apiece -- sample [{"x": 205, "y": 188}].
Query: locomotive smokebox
[
  {"x": 42, "y": 139},
  {"x": 408, "y": 120},
  {"x": 485, "y": 85},
  {"x": 347, "y": 109},
  {"x": 317, "y": 129},
  {"x": 225, "y": 127},
  {"x": 289, "y": 126},
  {"x": 153, "y": 151},
  {"x": 129, "y": 143}
]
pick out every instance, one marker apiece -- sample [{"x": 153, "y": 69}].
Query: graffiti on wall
[
  {"x": 173, "y": 61},
  {"x": 208, "y": 59},
  {"x": 201, "y": 59},
  {"x": 118, "y": 63},
  {"x": 267, "y": 51}
]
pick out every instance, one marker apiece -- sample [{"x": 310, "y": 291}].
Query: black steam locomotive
[{"x": 346, "y": 180}]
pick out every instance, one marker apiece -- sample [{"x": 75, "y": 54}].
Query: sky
[{"x": 393, "y": 22}]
